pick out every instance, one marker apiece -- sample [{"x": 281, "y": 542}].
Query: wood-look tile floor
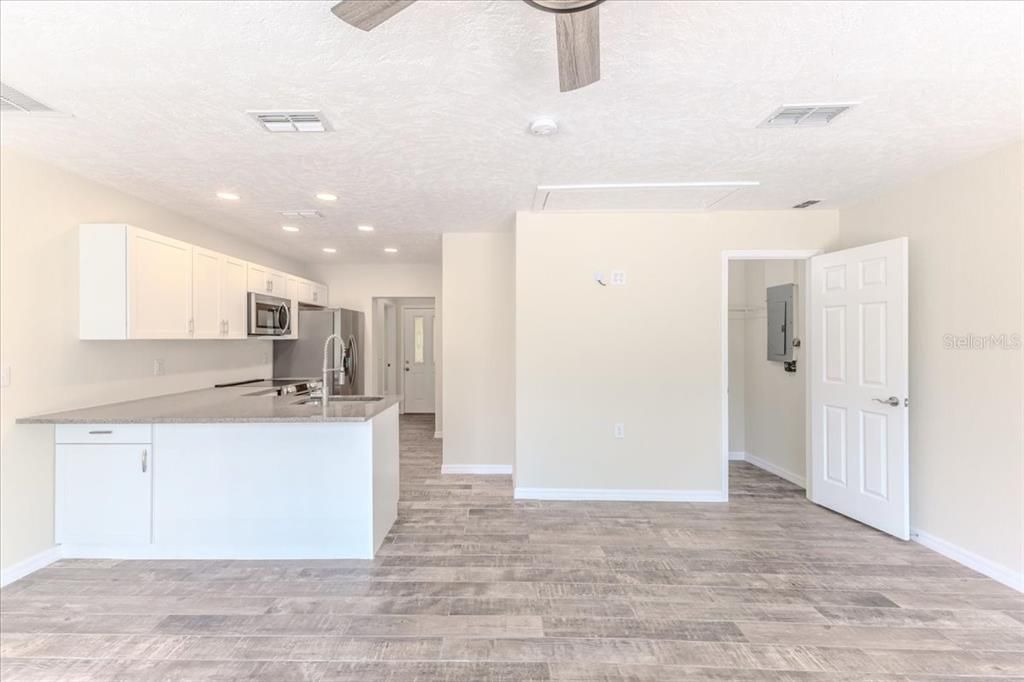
[{"x": 471, "y": 585}]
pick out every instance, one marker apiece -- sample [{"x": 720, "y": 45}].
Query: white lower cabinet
[{"x": 104, "y": 493}]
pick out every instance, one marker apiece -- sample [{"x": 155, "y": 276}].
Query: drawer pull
[
  {"x": 100, "y": 433},
  {"x": 145, "y": 456}
]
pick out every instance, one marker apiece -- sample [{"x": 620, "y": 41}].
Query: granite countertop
[{"x": 230, "y": 404}]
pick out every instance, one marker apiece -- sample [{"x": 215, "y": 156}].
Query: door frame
[
  {"x": 401, "y": 349},
  {"x": 759, "y": 254}
]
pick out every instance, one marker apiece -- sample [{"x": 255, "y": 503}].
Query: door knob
[{"x": 891, "y": 401}]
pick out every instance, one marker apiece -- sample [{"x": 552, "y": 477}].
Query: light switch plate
[
  {"x": 158, "y": 367},
  {"x": 620, "y": 430},
  {"x": 618, "y": 278}
]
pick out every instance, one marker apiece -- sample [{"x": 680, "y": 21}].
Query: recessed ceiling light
[
  {"x": 327, "y": 196},
  {"x": 390, "y": 249},
  {"x": 289, "y": 228},
  {"x": 328, "y": 249},
  {"x": 228, "y": 196},
  {"x": 365, "y": 228}
]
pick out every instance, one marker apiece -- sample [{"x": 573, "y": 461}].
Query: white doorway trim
[{"x": 755, "y": 254}]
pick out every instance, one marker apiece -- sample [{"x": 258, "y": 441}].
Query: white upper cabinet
[
  {"x": 208, "y": 322},
  {"x": 234, "y": 297},
  {"x": 136, "y": 284},
  {"x": 312, "y": 293},
  {"x": 319, "y": 294},
  {"x": 263, "y": 280},
  {"x": 159, "y": 286}
]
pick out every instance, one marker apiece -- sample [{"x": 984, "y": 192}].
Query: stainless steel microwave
[{"x": 269, "y": 315}]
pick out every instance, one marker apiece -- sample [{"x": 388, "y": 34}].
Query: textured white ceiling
[{"x": 430, "y": 110}]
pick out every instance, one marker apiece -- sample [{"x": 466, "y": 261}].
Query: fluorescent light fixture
[
  {"x": 365, "y": 228},
  {"x": 327, "y": 196},
  {"x": 289, "y": 228},
  {"x": 390, "y": 249},
  {"x": 228, "y": 196},
  {"x": 330, "y": 249}
]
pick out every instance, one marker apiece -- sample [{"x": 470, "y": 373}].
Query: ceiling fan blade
[
  {"x": 579, "y": 48},
  {"x": 368, "y": 14}
]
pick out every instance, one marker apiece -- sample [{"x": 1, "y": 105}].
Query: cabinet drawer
[{"x": 104, "y": 433}]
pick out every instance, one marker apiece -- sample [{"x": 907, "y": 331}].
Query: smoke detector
[
  {"x": 543, "y": 127},
  {"x": 805, "y": 115},
  {"x": 310, "y": 121}
]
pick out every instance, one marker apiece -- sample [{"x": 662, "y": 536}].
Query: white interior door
[
  {"x": 418, "y": 359},
  {"x": 859, "y": 385}
]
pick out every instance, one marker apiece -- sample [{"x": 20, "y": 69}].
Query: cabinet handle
[
  {"x": 100, "y": 433},
  {"x": 145, "y": 456}
]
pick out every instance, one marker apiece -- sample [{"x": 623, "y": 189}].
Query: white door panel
[
  {"x": 418, "y": 359},
  {"x": 858, "y": 361}
]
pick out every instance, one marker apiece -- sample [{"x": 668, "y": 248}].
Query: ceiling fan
[{"x": 576, "y": 31}]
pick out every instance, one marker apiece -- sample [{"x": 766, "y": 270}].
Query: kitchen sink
[{"x": 341, "y": 399}]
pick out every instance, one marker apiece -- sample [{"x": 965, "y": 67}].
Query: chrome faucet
[{"x": 325, "y": 391}]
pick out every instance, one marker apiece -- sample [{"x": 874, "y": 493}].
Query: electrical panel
[{"x": 781, "y": 328}]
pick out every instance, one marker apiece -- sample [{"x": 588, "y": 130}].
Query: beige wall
[
  {"x": 41, "y": 207},
  {"x": 478, "y": 289},
  {"x": 966, "y": 410},
  {"x": 737, "y": 355},
  {"x": 355, "y": 286},
  {"x": 647, "y": 354},
  {"x": 774, "y": 409}
]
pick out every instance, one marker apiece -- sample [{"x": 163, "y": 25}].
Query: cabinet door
[
  {"x": 259, "y": 282},
  {"x": 159, "y": 286},
  {"x": 305, "y": 291},
  {"x": 104, "y": 494},
  {"x": 208, "y": 323},
  {"x": 234, "y": 297},
  {"x": 319, "y": 294},
  {"x": 278, "y": 283}
]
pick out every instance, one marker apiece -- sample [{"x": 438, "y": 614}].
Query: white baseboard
[
  {"x": 795, "y": 479},
  {"x": 477, "y": 469},
  {"x": 737, "y": 455},
  {"x": 437, "y": 434},
  {"x": 30, "y": 565},
  {"x": 997, "y": 572},
  {"x": 623, "y": 495}
]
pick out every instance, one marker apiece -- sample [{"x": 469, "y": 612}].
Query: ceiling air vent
[
  {"x": 809, "y": 202},
  {"x": 805, "y": 115},
  {"x": 291, "y": 121},
  {"x": 13, "y": 100}
]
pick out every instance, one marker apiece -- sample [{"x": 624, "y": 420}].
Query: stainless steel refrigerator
[{"x": 303, "y": 358}]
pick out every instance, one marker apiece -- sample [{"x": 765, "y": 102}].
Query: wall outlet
[
  {"x": 5, "y": 377},
  {"x": 618, "y": 278},
  {"x": 158, "y": 367},
  {"x": 620, "y": 430}
]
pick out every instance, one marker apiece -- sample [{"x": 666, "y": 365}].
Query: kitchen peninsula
[{"x": 238, "y": 472}]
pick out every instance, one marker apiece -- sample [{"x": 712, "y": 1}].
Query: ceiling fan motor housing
[{"x": 563, "y": 6}]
